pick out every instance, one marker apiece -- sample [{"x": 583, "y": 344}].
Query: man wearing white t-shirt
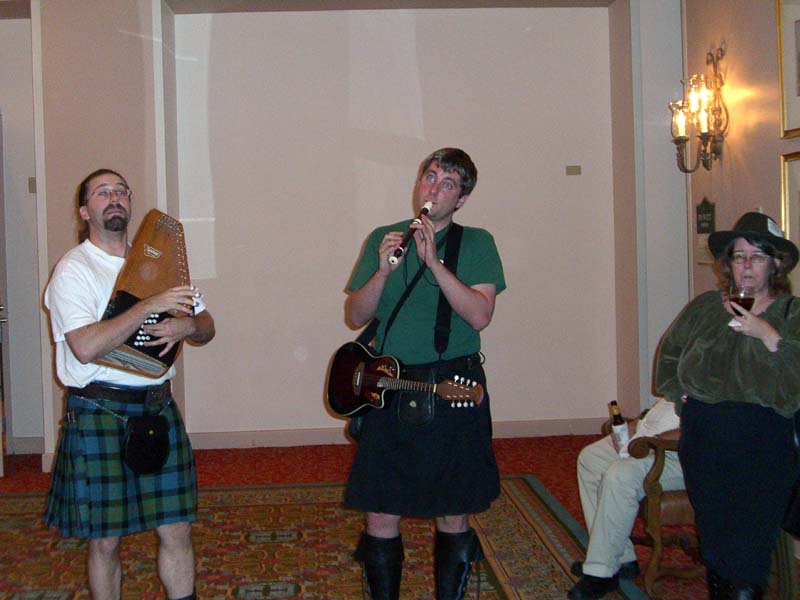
[
  {"x": 93, "y": 493},
  {"x": 611, "y": 484}
]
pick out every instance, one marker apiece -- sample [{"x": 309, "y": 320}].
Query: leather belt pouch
[
  {"x": 145, "y": 445},
  {"x": 414, "y": 408}
]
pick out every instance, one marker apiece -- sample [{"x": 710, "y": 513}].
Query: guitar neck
[{"x": 390, "y": 383}]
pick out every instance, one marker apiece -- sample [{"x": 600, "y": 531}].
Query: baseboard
[
  {"x": 336, "y": 435},
  {"x": 258, "y": 439},
  {"x": 47, "y": 461},
  {"x": 24, "y": 445},
  {"x": 508, "y": 429}
]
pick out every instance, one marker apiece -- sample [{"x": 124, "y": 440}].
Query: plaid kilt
[{"x": 93, "y": 494}]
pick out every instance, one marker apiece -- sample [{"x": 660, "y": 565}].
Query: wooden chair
[
  {"x": 660, "y": 509},
  {"x": 672, "y": 509}
]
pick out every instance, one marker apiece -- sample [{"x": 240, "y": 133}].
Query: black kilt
[{"x": 446, "y": 467}]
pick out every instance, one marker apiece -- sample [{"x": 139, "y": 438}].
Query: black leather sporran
[
  {"x": 145, "y": 443},
  {"x": 416, "y": 409}
]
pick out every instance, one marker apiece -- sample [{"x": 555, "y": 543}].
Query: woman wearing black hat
[{"x": 734, "y": 376}]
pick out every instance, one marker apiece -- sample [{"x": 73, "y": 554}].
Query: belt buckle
[
  {"x": 156, "y": 395},
  {"x": 70, "y": 417}
]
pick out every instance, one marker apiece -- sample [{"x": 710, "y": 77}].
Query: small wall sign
[
  {"x": 705, "y": 226},
  {"x": 705, "y": 217}
]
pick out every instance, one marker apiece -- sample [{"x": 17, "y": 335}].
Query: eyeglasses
[
  {"x": 739, "y": 258},
  {"x": 106, "y": 192}
]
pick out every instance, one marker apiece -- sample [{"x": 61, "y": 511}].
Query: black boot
[
  {"x": 717, "y": 587},
  {"x": 383, "y": 565},
  {"x": 453, "y": 558}
]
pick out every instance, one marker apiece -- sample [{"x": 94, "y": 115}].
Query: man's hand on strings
[
  {"x": 182, "y": 298},
  {"x": 169, "y": 332}
]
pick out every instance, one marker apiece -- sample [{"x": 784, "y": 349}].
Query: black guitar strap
[
  {"x": 411, "y": 284},
  {"x": 444, "y": 313},
  {"x": 368, "y": 333},
  {"x": 400, "y": 302}
]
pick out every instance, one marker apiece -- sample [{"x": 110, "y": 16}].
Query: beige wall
[
  {"x": 294, "y": 187},
  {"x": 19, "y": 292},
  {"x": 98, "y": 105},
  {"x": 552, "y": 359},
  {"x": 624, "y": 210},
  {"x": 748, "y": 177}
]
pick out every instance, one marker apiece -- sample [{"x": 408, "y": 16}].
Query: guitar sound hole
[{"x": 358, "y": 378}]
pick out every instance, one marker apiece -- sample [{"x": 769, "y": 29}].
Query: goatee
[{"x": 116, "y": 223}]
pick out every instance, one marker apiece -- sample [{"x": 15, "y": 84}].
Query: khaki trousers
[{"x": 610, "y": 490}]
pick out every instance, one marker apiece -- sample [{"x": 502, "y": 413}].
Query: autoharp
[{"x": 156, "y": 262}]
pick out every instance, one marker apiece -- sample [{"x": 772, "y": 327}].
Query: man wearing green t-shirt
[{"x": 422, "y": 456}]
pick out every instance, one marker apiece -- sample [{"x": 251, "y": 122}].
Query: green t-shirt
[
  {"x": 410, "y": 338},
  {"x": 703, "y": 357}
]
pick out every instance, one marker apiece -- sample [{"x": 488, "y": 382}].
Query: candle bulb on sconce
[
  {"x": 681, "y": 123},
  {"x": 678, "y": 119},
  {"x": 703, "y": 111},
  {"x": 694, "y": 93},
  {"x": 703, "y": 118}
]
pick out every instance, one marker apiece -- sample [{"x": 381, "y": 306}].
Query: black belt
[
  {"x": 461, "y": 363},
  {"x": 144, "y": 395}
]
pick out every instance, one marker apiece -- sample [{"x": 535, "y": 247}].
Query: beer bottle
[{"x": 619, "y": 428}]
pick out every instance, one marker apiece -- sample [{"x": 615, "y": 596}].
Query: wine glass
[{"x": 743, "y": 295}]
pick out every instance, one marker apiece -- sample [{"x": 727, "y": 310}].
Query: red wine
[{"x": 745, "y": 302}]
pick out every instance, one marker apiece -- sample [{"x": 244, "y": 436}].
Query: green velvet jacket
[{"x": 700, "y": 355}]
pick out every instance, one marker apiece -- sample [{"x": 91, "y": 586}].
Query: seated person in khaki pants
[{"x": 611, "y": 487}]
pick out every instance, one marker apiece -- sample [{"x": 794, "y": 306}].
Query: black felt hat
[{"x": 754, "y": 226}]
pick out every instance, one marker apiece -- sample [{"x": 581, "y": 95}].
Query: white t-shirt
[
  {"x": 77, "y": 295},
  {"x": 660, "y": 418}
]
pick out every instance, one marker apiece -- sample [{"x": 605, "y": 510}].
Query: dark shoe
[
  {"x": 383, "y": 565},
  {"x": 453, "y": 557},
  {"x": 628, "y": 570},
  {"x": 744, "y": 592},
  {"x": 591, "y": 588}
]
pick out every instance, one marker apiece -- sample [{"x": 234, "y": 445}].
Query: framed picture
[
  {"x": 789, "y": 53},
  {"x": 790, "y": 204}
]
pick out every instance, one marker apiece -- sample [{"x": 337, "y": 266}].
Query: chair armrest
[{"x": 641, "y": 447}]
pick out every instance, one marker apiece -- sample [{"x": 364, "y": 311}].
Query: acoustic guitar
[{"x": 358, "y": 380}]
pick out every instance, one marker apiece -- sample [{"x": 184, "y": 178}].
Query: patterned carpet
[
  {"x": 552, "y": 459},
  {"x": 295, "y": 541}
]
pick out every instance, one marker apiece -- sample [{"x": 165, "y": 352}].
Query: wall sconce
[{"x": 703, "y": 112}]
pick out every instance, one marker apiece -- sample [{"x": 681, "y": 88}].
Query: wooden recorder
[{"x": 156, "y": 262}]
